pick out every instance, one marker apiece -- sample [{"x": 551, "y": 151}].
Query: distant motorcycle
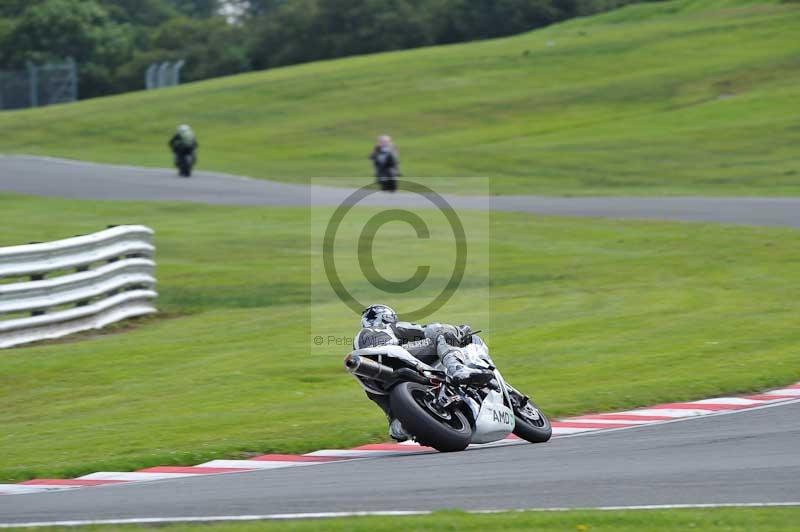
[
  {"x": 441, "y": 413},
  {"x": 184, "y": 162}
]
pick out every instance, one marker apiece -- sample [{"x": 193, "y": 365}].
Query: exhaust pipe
[{"x": 367, "y": 368}]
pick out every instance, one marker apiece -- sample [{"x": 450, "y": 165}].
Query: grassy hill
[{"x": 681, "y": 97}]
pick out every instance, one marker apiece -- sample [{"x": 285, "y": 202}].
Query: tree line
[{"x": 113, "y": 41}]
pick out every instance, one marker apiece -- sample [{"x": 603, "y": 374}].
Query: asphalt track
[
  {"x": 744, "y": 457},
  {"x": 72, "y": 179}
]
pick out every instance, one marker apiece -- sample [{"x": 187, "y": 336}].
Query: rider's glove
[{"x": 464, "y": 335}]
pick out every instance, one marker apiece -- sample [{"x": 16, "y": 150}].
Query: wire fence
[{"x": 39, "y": 85}]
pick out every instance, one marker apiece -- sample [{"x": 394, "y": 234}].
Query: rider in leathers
[{"x": 429, "y": 343}]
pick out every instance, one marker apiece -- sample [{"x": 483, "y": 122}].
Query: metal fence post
[
  {"x": 163, "y": 74},
  {"x": 37, "y": 277},
  {"x": 33, "y": 80},
  {"x": 176, "y": 72},
  {"x": 150, "y": 77},
  {"x": 38, "y": 85},
  {"x": 73, "y": 79}
]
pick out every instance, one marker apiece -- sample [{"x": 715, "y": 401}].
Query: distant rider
[
  {"x": 386, "y": 160},
  {"x": 183, "y": 143},
  {"x": 429, "y": 343}
]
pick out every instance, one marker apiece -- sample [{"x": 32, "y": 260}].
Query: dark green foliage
[
  {"x": 83, "y": 30},
  {"x": 114, "y": 41},
  {"x": 196, "y": 8},
  {"x": 12, "y": 8},
  {"x": 306, "y": 30},
  {"x": 211, "y": 47},
  {"x": 148, "y": 13}
]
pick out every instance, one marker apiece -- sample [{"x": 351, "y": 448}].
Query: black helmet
[{"x": 376, "y": 315}]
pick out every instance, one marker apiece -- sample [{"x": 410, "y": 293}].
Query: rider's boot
[
  {"x": 456, "y": 369},
  {"x": 396, "y": 430}
]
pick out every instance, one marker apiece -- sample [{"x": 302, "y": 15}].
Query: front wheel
[
  {"x": 530, "y": 423},
  {"x": 415, "y": 406}
]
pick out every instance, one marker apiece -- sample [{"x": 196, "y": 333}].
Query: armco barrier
[{"x": 53, "y": 289}]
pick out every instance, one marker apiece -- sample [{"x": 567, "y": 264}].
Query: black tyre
[
  {"x": 530, "y": 423},
  {"x": 185, "y": 166},
  {"x": 445, "y": 431},
  {"x": 387, "y": 184}
]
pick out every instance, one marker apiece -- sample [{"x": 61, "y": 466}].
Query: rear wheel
[
  {"x": 530, "y": 423},
  {"x": 388, "y": 183},
  {"x": 185, "y": 166},
  {"x": 416, "y": 407}
]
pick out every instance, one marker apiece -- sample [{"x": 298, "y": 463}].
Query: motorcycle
[
  {"x": 441, "y": 413},
  {"x": 184, "y": 162}
]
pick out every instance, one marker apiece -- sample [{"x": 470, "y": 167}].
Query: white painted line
[
  {"x": 786, "y": 391},
  {"x": 12, "y": 489},
  {"x": 608, "y": 421},
  {"x": 377, "y": 513},
  {"x": 211, "y": 519},
  {"x": 669, "y": 412},
  {"x": 257, "y": 464},
  {"x": 646, "y": 507},
  {"x": 133, "y": 476},
  {"x": 737, "y": 401},
  {"x": 571, "y": 430},
  {"x": 355, "y": 453},
  {"x": 498, "y": 443}
]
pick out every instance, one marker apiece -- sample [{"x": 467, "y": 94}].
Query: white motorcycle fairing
[{"x": 495, "y": 420}]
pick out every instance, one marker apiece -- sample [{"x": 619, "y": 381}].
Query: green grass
[
  {"x": 717, "y": 519},
  {"x": 586, "y": 316},
  {"x": 681, "y": 97}
]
